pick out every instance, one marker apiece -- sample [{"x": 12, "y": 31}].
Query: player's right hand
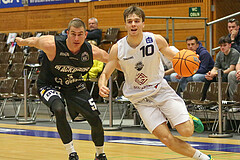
[{"x": 104, "y": 91}]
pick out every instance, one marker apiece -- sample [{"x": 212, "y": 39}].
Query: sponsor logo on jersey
[
  {"x": 146, "y": 86},
  {"x": 149, "y": 40},
  {"x": 85, "y": 56},
  {"x": 69, "y": 80},
  {"x": 65, "y": 54},
  {"x": 127, "y": 58},
  {"x": 73, "y": 58},
  {"x": 139, "y": 66},
  {"x": 80, "y": 87},
  {"x": 71, "y": 69},
  {"x": 141, "y": 78}
]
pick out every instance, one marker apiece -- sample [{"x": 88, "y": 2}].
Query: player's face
[
  {"x": 232, "y": 26},
  {"x": 192, "y": 45},
  {"x": 76, "y": 37},
  {"x": 134, "y": 25},
  {"x": 225, "y": 48}
]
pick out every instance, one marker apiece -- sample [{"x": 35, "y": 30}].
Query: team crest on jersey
[
  {"x": 149, "y": 40},
  {"x": 139, "y": 66},
  {"x": 85, "y": 56},
  {"x": 141, "y": 78}
]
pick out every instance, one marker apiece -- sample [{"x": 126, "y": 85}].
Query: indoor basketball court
[{"x": 38, "y": 142}]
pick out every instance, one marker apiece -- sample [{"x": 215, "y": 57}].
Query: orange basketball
[{"x": 185, "y": 63}]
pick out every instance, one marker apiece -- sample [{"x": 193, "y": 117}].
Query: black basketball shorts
[{"x": 76, "y": 101}]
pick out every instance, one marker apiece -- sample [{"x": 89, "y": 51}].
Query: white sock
[
  {"x": 69, "y": 147},
  {"x": 200, "y": 156},
  {"x": 99, "y": 150}
]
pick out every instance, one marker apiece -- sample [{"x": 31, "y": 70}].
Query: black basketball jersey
[{"x": 67, "y": 69}]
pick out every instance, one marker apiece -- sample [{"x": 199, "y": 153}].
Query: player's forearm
[
  {"x": 32, "y": 41},
  {"x": 103, "y": 80},
  {"x": 170, "y": 71}
]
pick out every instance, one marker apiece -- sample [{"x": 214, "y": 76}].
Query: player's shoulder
[
  {"x": 158, "y": 37},
  {"x": 115, "y": 47}
]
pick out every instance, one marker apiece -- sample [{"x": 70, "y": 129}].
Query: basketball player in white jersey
[{"x": 139, "y": 57}]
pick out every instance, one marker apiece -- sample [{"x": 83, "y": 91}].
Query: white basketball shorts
[{"x": 164, "y": 105}]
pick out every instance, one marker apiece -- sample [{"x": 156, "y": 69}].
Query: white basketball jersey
[{"x": 142, "y": 67}]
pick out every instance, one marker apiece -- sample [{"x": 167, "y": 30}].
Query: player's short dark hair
[
  {"x": 224, "y": 39},
  {"x": 77, "y": 23},
  {"x": 231, "y": 20},
  {"x": 191, "y": 38},
  {"x": 134, "y": 10}
]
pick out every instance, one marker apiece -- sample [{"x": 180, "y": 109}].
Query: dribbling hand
[{"x": 104, "y": 91}]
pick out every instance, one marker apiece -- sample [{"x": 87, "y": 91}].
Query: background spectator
[
  {"x": 233, "y": 29},
  {"x": 233, "y": 79},
  {"x": 94, "y": 35},
  {"x": 226, "y": 60},
  {"x": 93, "y": 73},
  {"x": 206, "y": 64}
]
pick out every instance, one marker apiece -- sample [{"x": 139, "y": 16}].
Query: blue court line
[{"x": 125, "y": 140}]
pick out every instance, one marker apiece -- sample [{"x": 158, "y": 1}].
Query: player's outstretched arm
[
  {"x": 45, "y": 43},
  {"x": 108, "y": 69},
  {"x": 164, "y": 48},
  {"x": 101, "y": 55}
]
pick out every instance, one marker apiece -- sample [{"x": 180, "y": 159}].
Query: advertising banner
[
  {"x": 46, "y": 2},
  {"x": 10, "y": 3}
]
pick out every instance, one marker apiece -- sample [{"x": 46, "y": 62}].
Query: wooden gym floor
[{"x": 41, "y": 142}]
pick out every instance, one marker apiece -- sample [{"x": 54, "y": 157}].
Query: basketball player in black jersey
[{"x": 67, "y": 59}]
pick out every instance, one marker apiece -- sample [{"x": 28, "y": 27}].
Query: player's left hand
[{"x": 104, "y": 91}]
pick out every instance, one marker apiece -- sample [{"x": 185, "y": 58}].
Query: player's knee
[
  {"x": 185, "y": 129},
  {"x": 94, "y": 121},
  {"x": 186, "y": 132},
  {"x": 58, "y": 108}
]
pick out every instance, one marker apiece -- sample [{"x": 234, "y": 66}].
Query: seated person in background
[
  {"x": 206, "y": 64},
  {"x": 233, "y": 79},
  {"x": 234, "y": 34},
  {"x": 168, "y": 67},
  {"x": 94, "y": 35},
  {"x": 226, "y": 60},
  {"x": 93, "y": 73},
  {"x": 64, "y": 32}
]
